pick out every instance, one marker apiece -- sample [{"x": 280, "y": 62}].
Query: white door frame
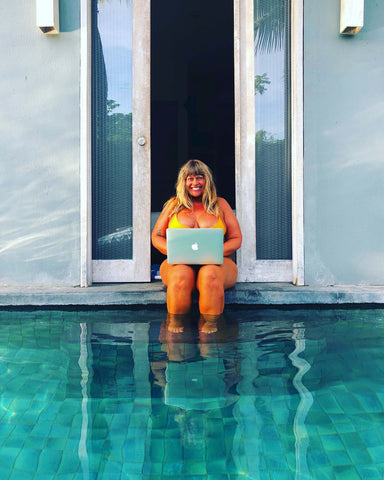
[
  {"x": 138, "y": 269},
  {"x": 251, "y": 269}
]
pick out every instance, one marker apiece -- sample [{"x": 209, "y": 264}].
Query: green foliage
[{"x": 260, "y": 83}]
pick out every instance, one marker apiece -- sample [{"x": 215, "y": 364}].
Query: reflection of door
[{"x": 120, "y": 141}]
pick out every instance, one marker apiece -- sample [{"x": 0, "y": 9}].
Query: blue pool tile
[
  {"x": 377, "y": 453},
  {"x": 216, "y": 465},
  {"x": 157, "y": 450},
  {"x": 369, "y": 402},
  {"x": 172, "y": 468},
  {"x": 332, "y": 442},
  {"x": 21, "y": 475},
  {"x": 281, "y": 475},
  {"x": 369, "y": 472},
  {"x": 371, "y": 438},
  {"x": 49, "y": 461},
  {"x": 217, "y": 476},
  {"x": 272, "y": 445},
  {"x": 194, "y": 468},
  {"x": 328, "y": 403},
  {"x": 318, "y": 458},
  {"x": 359, "y": 455},
  {"x": 338, "y": 457},
  {"x": 69, "y": 463},
  {"x": 348, "y": 472},
  {"x": 8, "y": 456},
  {"x": 323, "y": 473},
  {"x": 14, "y": 442},
  {"x": 276, "y": 462},
  {"x": 28, "y": 459}
]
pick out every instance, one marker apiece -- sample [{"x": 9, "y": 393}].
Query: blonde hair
[{"x": 183, "y": 200}]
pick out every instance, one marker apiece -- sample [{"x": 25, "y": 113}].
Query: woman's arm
[
  {"x": 158, "y": 236},
  {"x": 233, "y": 237}
]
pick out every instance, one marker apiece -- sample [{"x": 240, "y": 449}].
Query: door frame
[
  {"x": 138, "y": 269},
  {"x": 250, "y": 269}
]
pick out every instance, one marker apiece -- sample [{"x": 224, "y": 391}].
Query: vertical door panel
[
  {"x": 263, "y": 170},
  {"x": 120, "y": 141}
]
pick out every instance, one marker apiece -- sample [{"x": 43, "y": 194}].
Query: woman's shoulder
[{"x": 223, "y": 204}]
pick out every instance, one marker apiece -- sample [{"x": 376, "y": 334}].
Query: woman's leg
[
  {"x": 180, "y": 283},
  {"x": 211, "y": 282}
]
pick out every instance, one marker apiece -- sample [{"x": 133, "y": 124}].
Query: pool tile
[
  {"x": 276, "y": 462},
  {"x": 174, "y": 468},
  {"x": 338, "y": 458},
  {"x": 347, "y": 473},
  {"x": 332, "y": 442},
  {"x": 323, "y": 473},
  {"x": 194, "y": 468},
  {"x": 371, "y": 438},
  {"x": 216, "y": 465},
  {"x": 369, "y": 472},
  {"x": 27, "y": 460},
  {"x": 217, "y": 476},
  {"x": 21, "y": 475},
  {"x": 49, "y": 461},
  {"x": 281, "y": 475},
  {"x": 328, "y": 403},
  {"x": 318, "y": 458},
  {"x": 377, "y": 453},
  {"x": 369, "y": 402}
]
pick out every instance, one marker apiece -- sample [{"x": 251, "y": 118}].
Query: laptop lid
[{"x": 195, "y": 246}]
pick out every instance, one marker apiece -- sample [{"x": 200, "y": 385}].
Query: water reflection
[{"x": 198, "y": 372}]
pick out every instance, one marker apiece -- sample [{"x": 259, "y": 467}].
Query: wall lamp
[
  {"x": 351, "y": 16},
  {"x": 47, "y": 16}
]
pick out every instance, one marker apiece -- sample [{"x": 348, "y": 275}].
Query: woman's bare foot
[
  {"x": 175, "y": 323},
  {"x": 209, "y": 323}
]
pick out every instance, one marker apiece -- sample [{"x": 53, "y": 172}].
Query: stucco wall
[
  {"x": 343, "y": 147},
  {"x": 39, "y": 142}
]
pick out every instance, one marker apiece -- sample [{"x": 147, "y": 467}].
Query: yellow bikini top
[{"x": 174, "y": 223}]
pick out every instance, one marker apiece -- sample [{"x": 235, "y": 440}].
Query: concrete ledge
[{"x": 155, "y": 294}]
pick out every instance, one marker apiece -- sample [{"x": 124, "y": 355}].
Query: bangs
[{"x": 194, "y": 168}]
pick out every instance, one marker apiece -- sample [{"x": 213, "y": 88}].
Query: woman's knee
[
  {"x": 181, "y": 278},
  {"x": 210, "y": 280}
]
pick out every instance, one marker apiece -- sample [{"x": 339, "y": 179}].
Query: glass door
[
  {"x": 263, "y": 134},
  {"x": 120, "y": 140}
]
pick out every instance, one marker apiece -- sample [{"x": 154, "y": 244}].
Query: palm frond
[{"x": 269, "y": 24}]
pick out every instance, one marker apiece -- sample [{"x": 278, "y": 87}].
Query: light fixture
[
  {"x": 47, "y": 16},
  {"x": 351, "y": 16}
]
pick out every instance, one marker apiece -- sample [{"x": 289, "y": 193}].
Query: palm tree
[{"x": 270, "y": 19}]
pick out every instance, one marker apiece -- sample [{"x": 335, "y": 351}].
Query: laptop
[{"x": 195, "y": 246}]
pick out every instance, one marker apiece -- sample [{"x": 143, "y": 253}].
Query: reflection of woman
[
  {"x": 196, "y": 205},
  {"x": 199, "y": 375}
]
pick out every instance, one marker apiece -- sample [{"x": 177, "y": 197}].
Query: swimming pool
[{"x": 111, "y": 394}]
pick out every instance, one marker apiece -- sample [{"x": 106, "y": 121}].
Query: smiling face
[{"x": 195, "y": 185}]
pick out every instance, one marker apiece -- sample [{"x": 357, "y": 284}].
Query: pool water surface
[{"x": 113, "y": 394}]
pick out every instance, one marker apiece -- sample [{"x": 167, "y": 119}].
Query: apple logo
[{"x": 195, "y": 246}]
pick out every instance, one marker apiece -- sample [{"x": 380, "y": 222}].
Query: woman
[{"x": 196, "y": 205}]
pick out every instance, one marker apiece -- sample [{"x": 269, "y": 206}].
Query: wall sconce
[
  {"x": 47, "y": 16},
  {"x": 351, "y": 16}
]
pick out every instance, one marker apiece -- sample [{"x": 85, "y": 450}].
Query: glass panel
[
  {"x": 272, "y": 136},
  {"x": 111, "y": 129}
]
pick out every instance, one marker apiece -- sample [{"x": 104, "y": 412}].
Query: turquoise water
[{"x": 273, "y": 394}]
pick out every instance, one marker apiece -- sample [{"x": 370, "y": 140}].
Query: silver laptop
[{"x": 195, "y": 246}]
